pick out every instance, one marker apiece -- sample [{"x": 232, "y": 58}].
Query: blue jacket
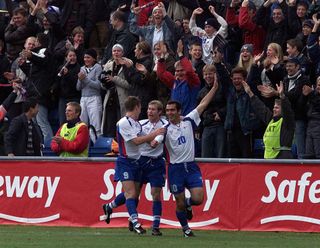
[{"x": 186, "y": 95}]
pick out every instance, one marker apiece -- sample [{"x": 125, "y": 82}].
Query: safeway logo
[
  {"x": 32, "y": 187},
  {"x": 112, "y": 191},
  {"x": 291, "y": 191}
]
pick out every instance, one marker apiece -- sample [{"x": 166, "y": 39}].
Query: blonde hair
[
  {"x": 277, "y": 48},
  {"x": 246, "y": 65},
  {"x": 209, "y": 68}
]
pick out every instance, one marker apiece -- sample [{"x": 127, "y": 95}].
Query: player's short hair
[
  {"x": 76, "y": 105},
  {"x": 131, "y": 102},
  {"x": 158, "y": 104},
  {"x": 176, "y": 103}
]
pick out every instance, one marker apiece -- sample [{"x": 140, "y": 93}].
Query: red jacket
[
  {"x": 143, "y": 16},
  {"x": 78, "y": 145},
  {"x": 252, "y": 33}
]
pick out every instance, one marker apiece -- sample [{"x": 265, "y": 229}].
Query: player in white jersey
[
  {"x": 183, "y": 172},
  {"x": 128, "y": 165},
  {"x": 153, "y": 168}
]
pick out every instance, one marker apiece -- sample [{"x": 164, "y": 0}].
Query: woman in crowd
[
  {"x": 114, "y": 81},
  {"x": 246, "y": 57},
  {"x": 89, "y": 84}
]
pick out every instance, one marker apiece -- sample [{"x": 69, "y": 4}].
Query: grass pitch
[{"x": 69, "y": 237}]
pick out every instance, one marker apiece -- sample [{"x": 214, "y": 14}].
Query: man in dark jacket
[
  {"x": 293, "y": 84},
  {"x": 120, "y": 35},
  {"x": 24, "y": 137},
  {"x": 40, "y": 80},
  {"x": 212, "y": 118},
  {"x": 17, "y": 32},
  {"x": 240, "y": 118},
  {"x": 276, "y": 26}
]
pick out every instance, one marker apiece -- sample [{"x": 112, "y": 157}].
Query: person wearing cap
[
  {"x": 114, "y": 80},
  {"x": 164, "y": 28},
  {"x": 293, "y": 84},
  {"x": 120, "y": 35},
  {"x": 253, "y": 33},
  {"x": 246, "y": 57},
  {"x": 89, "y": 85},
  {"x": 214, "y": 33},
  {"x": 307, "y": 27},
  {"x": 278, "y": 136}
]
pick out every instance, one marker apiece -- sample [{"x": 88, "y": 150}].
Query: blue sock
[
  {"x": 182, "y": 217},
  {"x": 137, "y": 202},
  {"x": 157, "y": 211},
  {"x": 118, "y": 201},
  {"x": 132, "y": 210}
]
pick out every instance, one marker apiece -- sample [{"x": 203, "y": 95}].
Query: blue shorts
[
  {"x": 153, "y": 171},
  {"x": 184, "y": 175},
  {"x": 127, "y": 170}
]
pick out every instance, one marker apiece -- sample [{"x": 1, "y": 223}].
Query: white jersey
[
  {"x": 179, "y": 139},
  {"x": 148, "y": 127},
  {"x": 128, "y": 129}
]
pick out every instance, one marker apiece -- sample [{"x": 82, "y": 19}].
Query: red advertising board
[
  {"x": 282, "y": 197},
  {"x": 263, "y": 197}
]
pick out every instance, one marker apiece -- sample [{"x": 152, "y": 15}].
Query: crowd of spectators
[{"x": 99, "y": 52}]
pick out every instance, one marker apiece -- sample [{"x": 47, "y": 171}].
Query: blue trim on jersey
[
  {"x": 122, "y": 148},
  {"x": 144, "y": 123},
  {"x": 194, "y": 125},
  {"x": 129, "y": 121}
]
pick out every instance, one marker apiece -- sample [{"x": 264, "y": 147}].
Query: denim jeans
[
  {"x": 42, "y": 120},
  {"x": 300, "y": 137},
  {"x": 213, "y": 142}
]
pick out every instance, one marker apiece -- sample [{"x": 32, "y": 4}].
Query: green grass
[{"x": 45, "y": 237}]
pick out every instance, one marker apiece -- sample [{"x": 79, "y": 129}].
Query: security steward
[
  {"x": 72, "y": 139},
  {"x": 279, "y": 133}
]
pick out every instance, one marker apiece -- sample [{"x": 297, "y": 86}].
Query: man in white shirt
[
  {"x": 183, "y": 172},
  {"x": 211, "y": 34},
  {"x": 129, "y": 163}
]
